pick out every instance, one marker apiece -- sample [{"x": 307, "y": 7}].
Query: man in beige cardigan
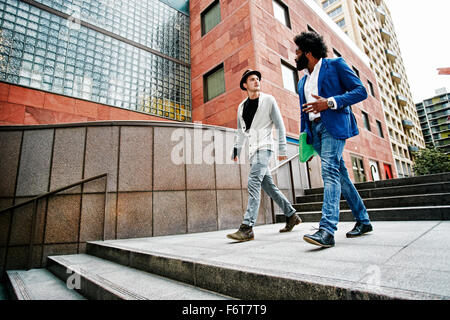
[{"x": 256, "y": 117}]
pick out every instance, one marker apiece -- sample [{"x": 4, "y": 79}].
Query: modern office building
[
  {"x": 369, "y": 24},
  {"x": 179, "y": 60},
  {"x": 434, "y": 115}
]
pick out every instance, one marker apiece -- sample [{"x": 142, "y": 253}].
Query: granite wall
[{"x": 163, "y": 179}]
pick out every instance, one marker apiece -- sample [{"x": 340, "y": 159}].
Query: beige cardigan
[{"x": 260, "y": 135}]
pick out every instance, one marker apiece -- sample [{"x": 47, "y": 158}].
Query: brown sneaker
[
  {"x": 291, "y": 222},
  {"x": 245, "y": 233}
]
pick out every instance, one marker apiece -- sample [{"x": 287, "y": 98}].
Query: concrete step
[
  {"x": 427, "y": 188},
  {"x": 100, "y": 279},
  {"x": 38, "y": 284},
  {"x": 274, "y": 266},
  {"x": 427, "y": 200},
  {"x": 426, "y": 213},
  {"x": 432, "y": 178}
]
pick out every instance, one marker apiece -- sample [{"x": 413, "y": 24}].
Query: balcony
[
  {"x": 381, "y": 15},
  {"x": 386, "y": 35},
  {"x": 444, "y": 127},
  {"x": 407, "y": 124},
  {"x": 401, "y": 100},
  {"x": 391, "y": 56},
  {"x": 412, "y": 148},
  {"x": 442, "y": 142}
]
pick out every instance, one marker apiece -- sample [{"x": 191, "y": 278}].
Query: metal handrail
[
  {"x": 34, "y": 217},
  {"x": 291, "y": 176},
  {"x": 44, "y": 195},
  {"x": 283, "y": 163}
]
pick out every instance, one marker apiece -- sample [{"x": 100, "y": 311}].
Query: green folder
[{"x": 305, "y": 151}]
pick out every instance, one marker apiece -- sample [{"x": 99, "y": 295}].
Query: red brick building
[{"x": 249, "y": 36}]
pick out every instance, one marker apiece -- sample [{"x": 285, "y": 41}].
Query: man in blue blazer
[{"x": 326, "y": 93}]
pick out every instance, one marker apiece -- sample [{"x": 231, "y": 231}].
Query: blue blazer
[{"x": 337, "y": 80}]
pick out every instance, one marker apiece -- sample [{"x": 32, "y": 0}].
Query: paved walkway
[{"x": 398, "y": 259}]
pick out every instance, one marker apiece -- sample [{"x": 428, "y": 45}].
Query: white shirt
[{"x": 312, "y": 87}]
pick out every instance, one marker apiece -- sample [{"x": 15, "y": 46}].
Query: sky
[{"x": 423, "y": 33}]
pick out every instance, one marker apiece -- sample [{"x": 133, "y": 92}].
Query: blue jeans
[
  {"x": 336, "y": 180},
  {"x": 259, "y": 177}
]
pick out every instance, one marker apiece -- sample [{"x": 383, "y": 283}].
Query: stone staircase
[
  {"x": 415, "y": 198},
  {"x": 276, "y": 266},
  {"x": 140, "y": 269},
  {"x": 107, "y": 273}
]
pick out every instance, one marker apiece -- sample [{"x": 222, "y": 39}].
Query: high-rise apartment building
[
  {"x": 434, "y": 115},
  {"x": 369, "y": 24}
]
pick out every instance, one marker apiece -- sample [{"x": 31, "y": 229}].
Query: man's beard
[{"x": 302, "y": 62}]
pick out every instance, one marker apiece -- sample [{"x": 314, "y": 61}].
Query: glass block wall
[{"x": 132, "y": 54}]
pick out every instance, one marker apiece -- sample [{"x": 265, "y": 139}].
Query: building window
[
  {"x": 328, "y": 3},
  {"x": 214, "y": 83},
  {"x": 372, "y": 91},
  {"x": 210, "y": 17},
  {"x": 358, "y": 169},
  {"x": 310, "y": 29},
  {"x": 290, "y": 76},
  {"x": 281, "y": 13},
  {"x": 405, "y": 172},
  {"x": 336, "y": 53},
  {"x": 399, "y": 169},
  {"x": 334, "y": 13},
  {"x": 409, "y": 169},
  {"x": 366, "y": 122},
  {"x": 341, "y": 23},
  {"x": 356, "y": 71},
  {"x": 380, "y": 129}
]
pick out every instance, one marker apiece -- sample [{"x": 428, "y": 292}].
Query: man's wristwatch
[{"x": 330, "y": 103}]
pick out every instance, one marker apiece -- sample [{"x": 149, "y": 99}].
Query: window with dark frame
[
  {"x": 210, "y": 17},
  {"x": 213, "y": 83},
  {"x": 290, "y": 76},
  {"x": 358, "y": 169},
  {"x": 341, "y": 23},
  {"x": 336, "y": 53},
  {"x": 310, "y": 29},
  {"x": 281, "y": 13},
  {"x": 366, "y": 122},
  {"x": 380, "y": 129},
  {"x": 356, "y": 71},
  {"x": 372, "y": 91}
]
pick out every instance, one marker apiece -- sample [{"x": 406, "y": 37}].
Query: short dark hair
[{"x": 312, "y": 42}]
